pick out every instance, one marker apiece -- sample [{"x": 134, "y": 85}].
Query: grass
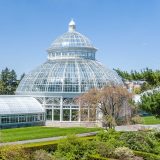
[
  {"x": 150, "y": 120},
  {"x": 27, "y": 133}
]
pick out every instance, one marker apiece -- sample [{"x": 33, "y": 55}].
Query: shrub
[
  {"x": 157, "y": 134},
  {"x": 123, "y": 153},
  {"x": 104, "y": 149},
  {"x": 106, "y": 135},
  {"x": 140, "y": 141},
  {"x": 42, "y": 155},
  {"x": 111, "y": 137},
  {"x": 137, "y": 120},
  {"x": 73, "y": 148},
  {"x": 14, "y": 152}
]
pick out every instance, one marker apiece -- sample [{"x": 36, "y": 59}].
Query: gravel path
[{"x": 137, "y": 127}]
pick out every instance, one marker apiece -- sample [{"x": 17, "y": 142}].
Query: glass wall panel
[
  {"x": 56, "y": 115},
  {"x": 74, "y": 115},
  {"x": 36, "y": 117},
  {"x": 49, "y": 114},
  {"x": 13, "y": 119},
  {"x": 66, "y": 114},
  {"x": 5, "y": 119},
  {"x": 22, "y": 118},
  {"x": 30, "y": 118},
  {"x": 9, "y": 120},
  {"x": 41, "y": 117}
]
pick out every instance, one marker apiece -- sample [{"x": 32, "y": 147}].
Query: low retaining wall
[{"x": 71, "y": 124}]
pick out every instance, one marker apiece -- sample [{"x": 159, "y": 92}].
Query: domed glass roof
[
  {"x": 71, "y": 39},
  {"x": 78, "y": 75},
  {"x": 71, "y": 68}
]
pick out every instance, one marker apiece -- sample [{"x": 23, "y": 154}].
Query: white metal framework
[{"x": 71, "y": 69}]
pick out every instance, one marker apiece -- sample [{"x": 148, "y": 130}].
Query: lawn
[
  {"x": 150, "y": 120},
  {"x": 18, "y": 134}
]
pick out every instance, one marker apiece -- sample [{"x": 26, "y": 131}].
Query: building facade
[{"x": 70, "y": 70}]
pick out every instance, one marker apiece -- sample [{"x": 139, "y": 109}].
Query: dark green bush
[{"x": 157, "y": 135}]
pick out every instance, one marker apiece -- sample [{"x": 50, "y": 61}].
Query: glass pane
[
  {"x": 13, "y": 119},
  {"x": 66, "y": 114},
  {"x": 49, "y": 114},
  {"x": 56, "y": 114},
  {"x": 5, "y": 120},
  {"x": 74, "y": 116},
  {"x": 22, "y": 118}
]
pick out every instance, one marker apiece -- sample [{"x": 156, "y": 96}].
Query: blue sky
[{"x": 126, "y": 32}]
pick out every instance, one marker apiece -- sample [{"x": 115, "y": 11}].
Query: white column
[
  {"x": 61, "y": 109},
  {"x": 70, "y": 114},
  {"x": 52, "y": 114}
]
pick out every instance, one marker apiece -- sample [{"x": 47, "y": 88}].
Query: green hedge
[
  {"x": 50, "y": 146},
  {"x": 147, "y": 156}
]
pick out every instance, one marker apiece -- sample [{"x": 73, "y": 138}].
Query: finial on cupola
[{"x": 72, "y": 26}]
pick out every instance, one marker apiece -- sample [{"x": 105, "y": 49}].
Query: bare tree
[
  {"x": 88, "y": 103},
  {"x": 114, "y": 103},
  {"x": 110, "y": 103}
]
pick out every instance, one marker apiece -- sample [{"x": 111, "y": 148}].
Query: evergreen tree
[
  {"x": 9, "y": 81},
  {"x": 150, "y": 102},
  {"x": 151, "y": 77}
]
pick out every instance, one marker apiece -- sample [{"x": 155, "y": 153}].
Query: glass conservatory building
[
  {"x": 20, "y": 111},
  {"x": 70, "y": 70}
]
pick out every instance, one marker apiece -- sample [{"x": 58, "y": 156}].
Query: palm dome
[
  {"x": 67, "y": 75},
  {"x": 71, "y": 68}
]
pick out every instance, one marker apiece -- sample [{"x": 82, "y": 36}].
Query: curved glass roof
[
  {"x": 69, "y": 42},
  {"x": 71, "y": 39},
  {"x": 68, "y": 75},
  {"x": 19, "y": 105},
  {"x": 71, "y": 68}
]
